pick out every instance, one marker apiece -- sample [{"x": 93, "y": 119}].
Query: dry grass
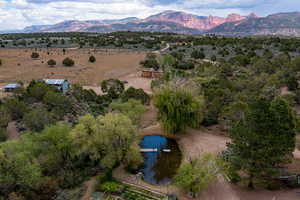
[{"x": 18, "y": 65}]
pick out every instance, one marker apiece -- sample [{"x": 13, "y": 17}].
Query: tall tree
[
  {"x": 107, "y": 139},
  {"x": 19, "y": 170},
  {"x": 197, "y": 174},
  {"x": 178, "y": 108},
  {"x": 264, "y": 140}
]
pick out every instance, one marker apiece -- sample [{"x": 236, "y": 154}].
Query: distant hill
[
  {"x": 181, "y": 22},
  {"x": 168, "y": 21},
  {"x": 276, "y": 24}
]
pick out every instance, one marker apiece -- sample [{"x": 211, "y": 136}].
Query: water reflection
[{"x": 160, "y": 167}]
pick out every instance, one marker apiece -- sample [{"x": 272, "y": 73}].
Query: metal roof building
[
  {"x": 61, "y": 84},
  {"x": 54, "y": 81},
  {"x": 12, "y": 86}
]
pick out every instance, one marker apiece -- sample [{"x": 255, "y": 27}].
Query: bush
[
  {"x": 3, "y": 136},
  {"x": 198, "y": 54},
  {"x": 37, "y": 119},
  {"x": 213, "y": 58},
  {"x": 16, "y": 108},
  {"x": 5, "y": 116},
  {"x": 51, "y": 62},
  {"x": 92, "y": 59},
  {"x": 68, "y": 62},
  {"x": 110, "y": 187},
  {"x": 186, "y": 65},
  {"x": 104, "y": 176},
  {"x": 113, "y": 87},
  {"x": 35, "y": 55},
  {"x": 37, "y": 90},
  {"x": 138, "y": 94}
]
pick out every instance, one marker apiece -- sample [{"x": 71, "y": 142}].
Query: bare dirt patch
[
  {"x": 12, "y": 131},
  {"x": 18, "y": 65},
  {"x": 89, "y": 185}
]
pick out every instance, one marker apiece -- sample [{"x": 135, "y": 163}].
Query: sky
[{"x": 17, "y": 14}]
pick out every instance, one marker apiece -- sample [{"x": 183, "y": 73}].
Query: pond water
[{"x": 160, "y": 167}]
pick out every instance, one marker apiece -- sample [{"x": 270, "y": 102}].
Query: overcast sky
[{"x": 16, "y": 14}]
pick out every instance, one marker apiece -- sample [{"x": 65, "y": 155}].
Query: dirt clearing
[{"x": 18, "y": 64}]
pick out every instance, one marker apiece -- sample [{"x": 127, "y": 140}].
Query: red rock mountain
[
  {"x": 168, "y": 21},
  {"x": 194, "y": 21}
]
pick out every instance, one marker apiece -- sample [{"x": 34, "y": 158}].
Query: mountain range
[{"x": 185, "y": 23}]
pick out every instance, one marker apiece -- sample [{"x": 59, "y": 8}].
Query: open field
[{"x": 18, "y": 65}]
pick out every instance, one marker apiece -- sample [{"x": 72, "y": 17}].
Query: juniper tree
[{"x": 264, "y": 140}]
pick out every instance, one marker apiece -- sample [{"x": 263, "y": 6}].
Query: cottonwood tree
[
  {"x": 264, "y": 140},
  {"x": 178, "y": 108},
  {"x": 109, "y": 139},
  {"x": 19, "y": 170},
  {"x": 132, "y": 108},
  {"x": 195, "y": 175}
]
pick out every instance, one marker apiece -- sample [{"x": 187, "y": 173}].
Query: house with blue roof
[
  {"x": 11, "y": 87},
  {"x": 62, "y": 85}
]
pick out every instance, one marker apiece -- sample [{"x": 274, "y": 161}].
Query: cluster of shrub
[{"x": 68, "y": 62}]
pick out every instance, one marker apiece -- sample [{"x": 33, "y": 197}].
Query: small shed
[
  {"x": 151, "y": 73},
  {"x": 62, "y": 85},
  {"x": 11, "y": 87},
  {"x": 147, "y": 73}
]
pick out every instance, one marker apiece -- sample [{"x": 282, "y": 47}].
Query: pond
[{"x": 161, "y": 166}]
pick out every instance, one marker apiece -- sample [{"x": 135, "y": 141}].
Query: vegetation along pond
[{"x": 160, "y": 166}]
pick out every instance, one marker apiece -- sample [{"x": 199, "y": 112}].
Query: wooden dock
[
  {"x": 148, "y": 150},
  {"x": 154, "y": 150}
]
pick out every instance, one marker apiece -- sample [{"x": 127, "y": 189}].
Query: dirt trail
[
  {"x": 12, "y": 131},
  {"x": 90, "y": 184}
]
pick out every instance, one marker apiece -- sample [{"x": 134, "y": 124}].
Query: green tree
[
  {"x": 213, "y": 58},
  {"x": 51, "y": 63},
  {"x": 92, "y": 59},
  {"x": 292, "y": 82},
  {"x": 264, "y": 140},
  {"x": 68, "y": 62},
  {"x": 3, "y": 135},
  {"x": 197, "y": 174},
  {"x": 55, "y": 145},
  {"x": 113, "y": 87},
  {"x": 5, "y": 116},
  {"x": 178, "y": 108},
  {"x": 38, "y": 89},
  {"x": 198, "y": 54},
  {"x": 35, "y": 55},
  {"x": 109, "y": 139},
  {"x": 16, "y": 108},
  {"x": 19, "y": 170},
  {"x": 57, "y": 102},
  {"x": 138, "y": 94},
  {"x": 38, "y": 118},
  {"x": 132, "y": 108}
]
